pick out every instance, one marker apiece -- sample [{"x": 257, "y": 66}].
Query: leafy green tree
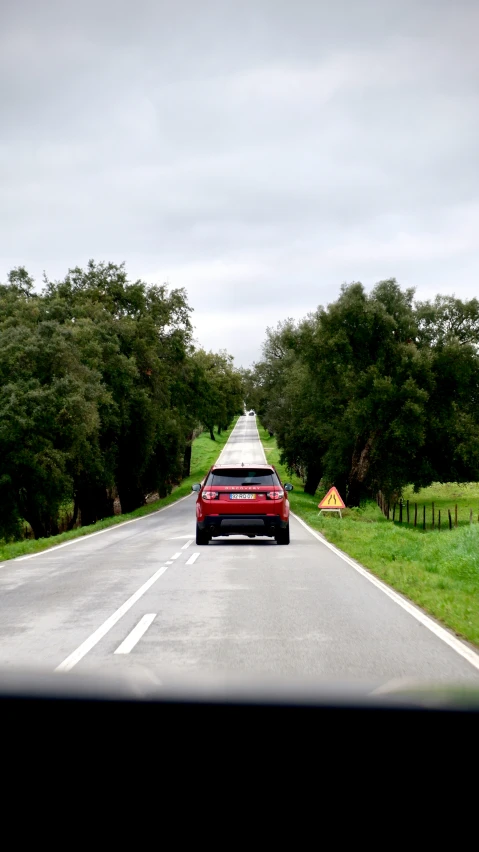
[
  {"x": 139, "y": 338},
  {"x": 375, "y": 391},
  {"x": 48, "y": 413},
  {"x": 101, "y": 394},
  {"x": 221, "y": 390},
  {"x": 447, "y": 318},
  {"x": 253, "y": 395}
]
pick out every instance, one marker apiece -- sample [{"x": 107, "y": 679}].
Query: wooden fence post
[
  {"x": 415, "y": 514},
  {"x": 407, "y": 510},
  {"x": 470, "y": 516},
  {"x": 394, "y": 512},
  {"x": 439, "y": 519},
  {"x": 450, "y": 518},
  {"x": 424, "y": 517},
  {"x": 455, "y": 515},
  {"x": 433, "y": 515},
  {"x": 400, "y": 511}
]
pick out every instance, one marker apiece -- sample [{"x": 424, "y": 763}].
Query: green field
[
  {"x": 444, "y": 496},
  {"x": 439, "y": 570},
  {"x": 204, "y": 453}
]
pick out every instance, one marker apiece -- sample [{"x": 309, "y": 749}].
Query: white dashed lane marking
[
  {"x": 101, "y": 631},
  {"x": 135, "y": 635},
  {"x": 192, "y": 559}
]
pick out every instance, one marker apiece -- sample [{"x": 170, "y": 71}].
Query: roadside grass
[
  {"x": 439, "y": 570},
  {"x": 204, "y": 454}
]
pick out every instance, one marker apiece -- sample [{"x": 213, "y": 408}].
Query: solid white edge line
[
  {"x": 192, "y": 559},
  {"x": 87, "y": 536},
  {"x": 135, "y": 635},
  {"x": 460, "y": 647},
  {"x": 101, "y": 631},
  {"x": 260, "y": 441},
  {"x": 443, "y": 634},
  {"x": 185, "y": 546}
]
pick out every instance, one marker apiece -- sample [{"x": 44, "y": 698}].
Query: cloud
[{"x": 258, "y": 154}]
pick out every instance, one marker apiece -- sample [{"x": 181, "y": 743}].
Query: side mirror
[
  {"x": 288, "y": 486},
  {"x": 196, "y": 487}
]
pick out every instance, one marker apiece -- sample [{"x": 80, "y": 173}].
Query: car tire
[
  {"x": 282, "y": 536},
  {"x": 202, "y": 536}
]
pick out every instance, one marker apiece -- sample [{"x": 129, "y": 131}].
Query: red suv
[{"x": 238, "y": 499}]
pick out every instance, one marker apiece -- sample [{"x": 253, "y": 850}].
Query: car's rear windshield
[{"x": 244, "y": 476}]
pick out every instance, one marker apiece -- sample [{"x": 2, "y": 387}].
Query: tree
[
  {"x": 138, "y": 338},
  {"x": 375, "y": 392},
  {"x": 445, "y": 319},
  {"x": 253, "y": 396},
  {"x": 220, "y": 392},
  {"x": 101, "y": 394},
  {"x": 48, "y": 413},
  {"x": 284, "y": 393}
]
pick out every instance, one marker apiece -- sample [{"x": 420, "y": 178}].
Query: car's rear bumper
[{"x": 243, "y": 524}]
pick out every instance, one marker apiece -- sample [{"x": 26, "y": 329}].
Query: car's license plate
[{"x": 242, "y": 496}]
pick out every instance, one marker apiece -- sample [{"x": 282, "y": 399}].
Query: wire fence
[{"x": 425, "y": 516}]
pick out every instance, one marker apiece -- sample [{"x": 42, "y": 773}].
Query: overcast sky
[{"x": 256, "y": 152}]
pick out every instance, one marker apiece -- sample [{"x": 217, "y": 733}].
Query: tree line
[
  {"x": 374, "y": 392},
  {"x": 102, "y": 392}
]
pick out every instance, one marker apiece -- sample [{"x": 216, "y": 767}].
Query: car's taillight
[
  {"x": 275, "y": 495},
  {"x": 210, "y": 495}
]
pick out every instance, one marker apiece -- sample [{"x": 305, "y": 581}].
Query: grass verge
[
  {"x": 439, "y": 570},
  {"x": 204, "y": 454}
]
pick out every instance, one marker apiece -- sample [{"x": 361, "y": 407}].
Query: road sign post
[{"x": 332, "y": 502}]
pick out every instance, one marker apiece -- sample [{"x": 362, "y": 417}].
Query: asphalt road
[{"x": 143, "y": 595}]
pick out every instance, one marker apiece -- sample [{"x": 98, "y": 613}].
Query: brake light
[
  {"x": 210, "y": 495},
  {"x": 275, "y": 495}
]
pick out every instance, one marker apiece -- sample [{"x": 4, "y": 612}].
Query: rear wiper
[{"x": 251, "y": 482}]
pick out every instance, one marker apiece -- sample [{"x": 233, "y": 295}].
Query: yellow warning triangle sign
[{"x": 332, "y": 500}]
